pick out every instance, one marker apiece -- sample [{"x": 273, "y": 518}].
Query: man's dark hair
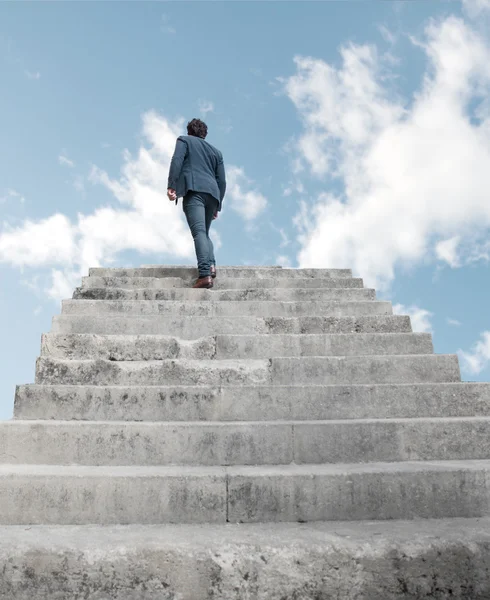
[{"x": 197, "y": 128}]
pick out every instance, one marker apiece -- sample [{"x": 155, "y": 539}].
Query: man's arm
[
  {"x": 221, "y": 177},
  {"x": 176, "y": 164}
]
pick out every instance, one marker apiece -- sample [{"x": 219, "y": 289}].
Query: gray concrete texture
[
  {"x": 244, "y": 443},
  {"x": 225, "y": 283},
  {"x": 158, "y": 347},
  {"x": 281, "y": 396},
  {"x": 251, "y": 403},
  {"x": 266, "y": 308},
  {"x": 189, "y": 273},
  {"x": 196, "y": 327},
  {"x": 107, "y": 495},
  {"x": 186, "y": 294},
  {"x": 432, "y": 559},
  {"x": 325, "y": 370}
]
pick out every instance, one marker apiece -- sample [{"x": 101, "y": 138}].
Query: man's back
[{"x": 197, "y": 166}]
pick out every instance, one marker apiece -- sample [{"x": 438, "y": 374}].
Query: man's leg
[
  {"x": 211, "y": 207},
  {"x": 195, "y": 212}
]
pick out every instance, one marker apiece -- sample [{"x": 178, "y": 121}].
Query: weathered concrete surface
[
  {"x": 356, "y": 344},
  {"x": 149, "y": 443},
  {"x": 191, "y": 273},
  {"x": 257, "y": 403},
  {"x": 196, "y": 327},
  {"x": 223, "y": 283},
  {"x": 260, "y": 308},
  {"x": 168, "y": 372},
  {"x": 245, "y": 442},
  {"x": 158, "y": 347},
  {"x": 78, "y": 495},
  {"x": 398, "y": 560},
  {"x": 324, "y": 370},
  {"x": 408, "y": 490},
  {"x": 191, "y": 295},
  {"x": 81, "y": 346}
]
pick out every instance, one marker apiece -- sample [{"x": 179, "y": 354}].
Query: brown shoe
[
  {"x": 213, "y": 271},
  {"x": 203, "y": 283}
]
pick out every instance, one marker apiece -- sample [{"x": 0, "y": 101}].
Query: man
[{"x": 197, "y": 174}]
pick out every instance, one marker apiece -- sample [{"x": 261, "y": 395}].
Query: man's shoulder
[{"x": 193, "y": 140}]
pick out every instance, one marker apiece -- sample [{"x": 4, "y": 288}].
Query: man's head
[{"x": 197, "y": 128}]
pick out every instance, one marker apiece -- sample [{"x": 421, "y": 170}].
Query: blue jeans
[{"x": 199, "y": 209}]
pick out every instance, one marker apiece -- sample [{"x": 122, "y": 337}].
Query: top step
[{"x": 191, "y": 272}]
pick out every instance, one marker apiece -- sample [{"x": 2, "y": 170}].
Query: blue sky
[{"x": 355, "y": 134}]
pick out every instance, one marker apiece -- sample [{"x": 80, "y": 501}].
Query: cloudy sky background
[{"x": 355, "y": 134}]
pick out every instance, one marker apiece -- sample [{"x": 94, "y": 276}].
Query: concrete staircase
[{"x": 288, "y": 399}]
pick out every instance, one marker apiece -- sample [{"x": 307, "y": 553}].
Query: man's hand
[
  {"x": 172, "y": 195},
  {"x": 215, "y": 216}
]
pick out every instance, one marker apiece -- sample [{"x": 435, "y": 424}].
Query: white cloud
[
  {"x": 143, "y": 221},
  {"x": 205, "y": 107},
  {"x": 33, "y": 244},
  {"x": 294, "y": 187},
  {"x": 33, "y": 75},
  {"x": 453, "y": 322},
  {"x": 478, "y": 357},
  {"x": 12, "y": 194},
  {"x": 420, "y": 317},
  {"x": 64, "y": 160},
  {"x": 387, "y": 34},
  {"x": 216, "y": 239},
  {"x": 474, "y": 8},
  {"x": 413, "y": 173},
  {"x": 446, "y": 250},
  {"x": 248, "y": 203}
]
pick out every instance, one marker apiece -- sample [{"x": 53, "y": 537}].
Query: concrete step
[
  {"x": 243, "y": 443},
  {"x": 168, "y": 372},
  {"x": 197, "y": 327},
  {"x": 255, "y": 403},
  {"x": 226, "y": 309},
  {"x": 320, "y": 370},
  {"x": 189, "y": 273},
  {"x": 57, "y": 494},
  {"x": 313, "y": 370},
  {"x": 190, "y": 295},
  {"x": 159, "y": 347},
  {"x": 223, "y": 283},
  {"x": 363, "y": 560},
  {"x": 343, "y": 344}
]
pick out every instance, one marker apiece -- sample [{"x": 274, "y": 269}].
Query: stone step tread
[
  {"x": 130, "y": 303},
  {"x": 52, "y": 494},
  {"x": 213, "y": 364},
  {"x": 371, "y": 560},
  {"x": 255, "y": 319},
  {"x": 222, "y": 295},
  {"x": 190, "y": 272},
  {"x": 251, "y": 402},
  {"x": 244, "y": 443},
  {"x": 225, "y": 283},
  {"x": 133, "y": 337},
  {"x": 40, "y": 423},
  {"x": 264, "y": 471},
  {"x": 259, "y": 308},
  {"x": 158, "y": 346},
  {"x": 195, "y": 327}
]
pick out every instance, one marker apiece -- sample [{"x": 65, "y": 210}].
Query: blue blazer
[{"x": 197, "y": 166}]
